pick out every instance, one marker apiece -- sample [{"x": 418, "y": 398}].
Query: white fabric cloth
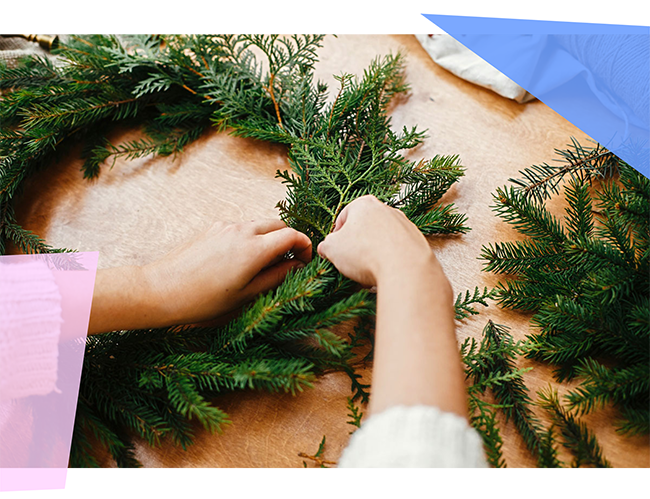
[
  {"x": 414, "y": 437},
  {"x": 452, "y": 55},
  {"x": 30, "y": 326}
]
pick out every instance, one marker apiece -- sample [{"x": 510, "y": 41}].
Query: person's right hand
[
  {"x": 416, "y": 359},
  {"x": 371, "y": 239}
]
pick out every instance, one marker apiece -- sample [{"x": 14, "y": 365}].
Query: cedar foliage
[{"x": 153, "y": 383}]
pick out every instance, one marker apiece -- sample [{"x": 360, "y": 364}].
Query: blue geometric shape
[
  {"x": 467, "y": 25},
  {"x": 597, "y": 76}
]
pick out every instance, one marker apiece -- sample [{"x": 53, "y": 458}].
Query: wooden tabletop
[{"x": 139, "y": 210}]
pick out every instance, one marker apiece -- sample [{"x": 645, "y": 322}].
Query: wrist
[
  {"x": 155, "y": 300},
  {"x": 416, "y": 266},
  {"x": 126, "y": 298}
]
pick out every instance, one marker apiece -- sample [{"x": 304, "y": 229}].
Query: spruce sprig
[
  {"x": 490, "y": 365},
  {"x": 541, "y": 182},
  {"x": 576, "y": 436},
  {"x": 586, "y": 278}
]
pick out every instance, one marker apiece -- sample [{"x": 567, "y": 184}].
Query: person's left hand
[{"x": 223, "y": 268}]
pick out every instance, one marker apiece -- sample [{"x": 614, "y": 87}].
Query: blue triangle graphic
[{"x": 597, "y": 76}]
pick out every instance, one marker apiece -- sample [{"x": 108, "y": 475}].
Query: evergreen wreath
[{"x": 153, "y": 382}]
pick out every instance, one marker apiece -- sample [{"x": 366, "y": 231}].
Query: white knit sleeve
[
  {"x": 30, "y": 326},
  {"x": 414, "y": 437}
]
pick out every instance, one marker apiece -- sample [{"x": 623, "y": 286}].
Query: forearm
[
  {"x": 124, "y": 299},
  {"x": 416, "y": 354}
]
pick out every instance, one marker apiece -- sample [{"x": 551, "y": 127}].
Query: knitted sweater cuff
[
  {"x": 30, "y": 308},
  {"x": 414, "y": 437}
]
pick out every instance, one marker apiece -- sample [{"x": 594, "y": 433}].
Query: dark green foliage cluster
[
  {"x": 576, "y": 436},
  {"x": 355, "y": 415},
  {"x": 497, "y": 386},
  {"x": 541, "y": 182},
  {"x": 464, "y": 304},
  {"x": 585, "y": 277},
  {"x": 152, "y": 383},
  {"x": 490, "y": 366}
]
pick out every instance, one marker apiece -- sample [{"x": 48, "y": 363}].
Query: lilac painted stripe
[
  {"x": 43, "y": 296},
  {"x": 12, "y": 479}
]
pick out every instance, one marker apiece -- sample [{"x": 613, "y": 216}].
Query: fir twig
[
  {"x": 587, "y": 280},
  {"x": 491, "y": 365},
  {"x": 355, "y": 414},
  {"x": 576, "y": 437}
]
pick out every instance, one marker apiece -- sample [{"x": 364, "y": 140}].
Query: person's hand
[
  {"x": 224, "y": 268},
  {"x": 416, "y": 358},
  {"x": 371, "y": 239}
]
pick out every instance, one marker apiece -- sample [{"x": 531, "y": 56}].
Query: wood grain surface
[{"x": 139, "y": 210}]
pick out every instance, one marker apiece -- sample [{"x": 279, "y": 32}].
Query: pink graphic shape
[
  {"x": 13, "y": 479},
  {"x": 45, "y": 303}
]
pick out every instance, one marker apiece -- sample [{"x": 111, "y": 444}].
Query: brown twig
[
  {"x": 563, "y": 170},
  {"x": 275, "y": 103},
  {"x": 319, "y": 461}
]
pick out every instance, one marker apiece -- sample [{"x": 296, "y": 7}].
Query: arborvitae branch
[
  {"x": 355, "y": 414},
  {"x": 463, "y": 304}
]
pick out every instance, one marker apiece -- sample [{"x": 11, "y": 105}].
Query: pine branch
[
  {"x": 629, "y": 386},
  {"x": 528, "y": 217}
]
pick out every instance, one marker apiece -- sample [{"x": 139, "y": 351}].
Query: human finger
[
  {"x": 340, "y": 219},
  {"x": 267, "y": 225},
  {"x": 321, "y": 249},
  {"x": 353, "y": 209},
  {"x": 327, "y": 247},
  {"x": 281, "y": 241},
  {"x": 271, "y": 277}
]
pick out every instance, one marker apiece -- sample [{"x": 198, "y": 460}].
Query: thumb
[{"x": 325, "y": 247}]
